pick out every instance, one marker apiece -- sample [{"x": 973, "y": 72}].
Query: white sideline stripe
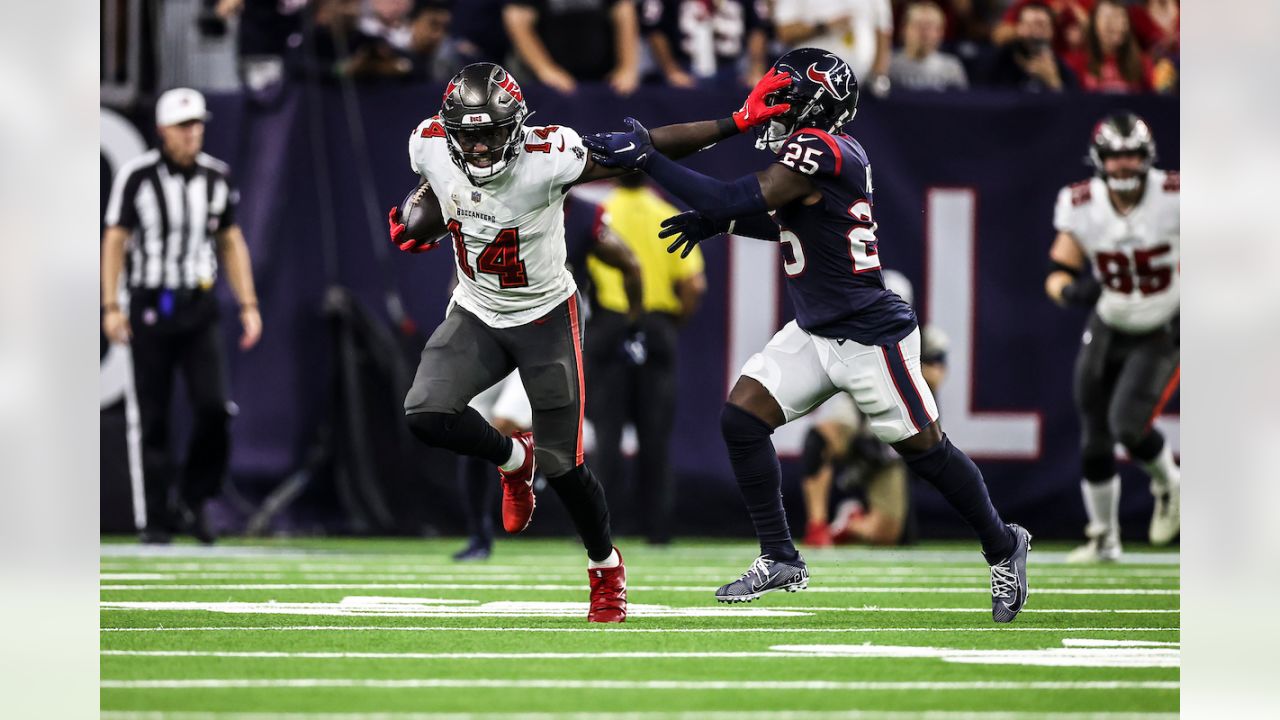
[
  {"x": 425, "y": 683},
  {"x": 647, "y": 715},
  {"x": 334, "y": 608},
  {"x": 637, "y": 655},
  {"x": 188, "y": 576},
  {"x": 1091, "y": 656},
  {"x": 664, "y": 631},
  {"x": 431, "y": 568},
  {"x": 579, "y": 587},
  {"x": 1037, "y": 611}
]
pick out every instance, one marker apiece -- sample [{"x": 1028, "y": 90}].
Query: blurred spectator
[
  {"x": 264, "y": 34},
  {"x": 693, "y": 40},
  {"x": 1157, "y": 26},
  {"x": 919, "y": 65},
  {"x": 1028, "y": 62},
  {"x": 1111, "y": 61},
  {"x": 477, "y": 32},
  {"x": 1070, "y": 17},
  {"x": 389, "y": 20},
  {"x": 434, "y": 53},
  {"x": 339, "y": 49},
  {"x": 859, "y": 31},
  {"x": 567, "y": 41}
]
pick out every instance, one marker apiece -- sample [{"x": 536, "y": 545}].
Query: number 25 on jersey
[{"x": 861, "y": 237}]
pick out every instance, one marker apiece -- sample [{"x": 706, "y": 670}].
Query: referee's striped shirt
[{"x": 173, "y": 215}]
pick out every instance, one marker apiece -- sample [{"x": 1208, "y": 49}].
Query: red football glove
[
  {"x": 755, "y": 111},
  {"x": 408, "y": 245}
]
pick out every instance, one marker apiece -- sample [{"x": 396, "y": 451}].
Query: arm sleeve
[
  {"x": 761, "y": 227},
  {"x": 714, "y": 198},
  {"x": 228, "y": 216},
  {"x": 121, "y": 210},
  {"x": 1062, "y": 212}
]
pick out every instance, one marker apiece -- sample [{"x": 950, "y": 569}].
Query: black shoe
[
  {"x": 195, "y": 522},
  {"x": 155, "y": 537},
  {"x": 474, "y": 551}
]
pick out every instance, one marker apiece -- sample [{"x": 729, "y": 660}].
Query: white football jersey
[
  {"x": 1135, "y": 256},
  {"x": 508, "y": 235}
]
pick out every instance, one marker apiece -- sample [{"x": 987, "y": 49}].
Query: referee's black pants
[
  {"x": 618, "y": 392},
  {"x": 169, "y": 336}
]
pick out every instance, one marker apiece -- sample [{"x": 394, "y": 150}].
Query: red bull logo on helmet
[{"x": 835, "y": 79}]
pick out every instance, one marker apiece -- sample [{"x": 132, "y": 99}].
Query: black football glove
[
  {"x": 690, "y": 228},
  {"x": 1083, "y": 291}
]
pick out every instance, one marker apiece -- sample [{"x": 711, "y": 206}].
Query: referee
[{"x": 170, "y": 218}]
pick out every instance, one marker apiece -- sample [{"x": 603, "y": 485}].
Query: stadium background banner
[{"x": 964, "y": 189}]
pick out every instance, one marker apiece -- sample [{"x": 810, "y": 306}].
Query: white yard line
[
  {"x": 620, "y": 629},
  {"x": 549, "y": 587},
  {"x": 966, "y": 579},
  {"x": 727, "y": 612},
  {"x": 430, "y": 566},
  {"x": 1092, "y": 656},
  {"x": 700, "y": 685}
]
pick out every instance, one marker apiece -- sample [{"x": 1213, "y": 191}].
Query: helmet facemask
[
  {"x": 499, "y": 142},
  {"x": 1119, "y": 136}
]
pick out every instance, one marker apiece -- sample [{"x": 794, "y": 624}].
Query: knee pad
[
  {"x": 1098, "y": 467},
  {"x": 740, "y": 427},
  {"x": 1145, "y": 447},
  {"x": 431, "y": 427},
  {"x": 931, "y": 462},
  {"x": 815, "y": 447}
]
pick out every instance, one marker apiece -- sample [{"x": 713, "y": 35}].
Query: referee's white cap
[{"x": 180, "y": 105}]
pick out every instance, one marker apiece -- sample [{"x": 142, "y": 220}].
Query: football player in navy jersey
[{"x": 850, "y": 334}]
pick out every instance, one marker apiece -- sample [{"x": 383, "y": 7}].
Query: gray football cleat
[
  {"x": 1166, "y": 519},
  {"x": 1009, "y": 579},
  {"x": 765, "y": 576}
]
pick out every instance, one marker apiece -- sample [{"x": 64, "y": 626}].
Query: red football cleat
[
  {"x": 517, "y": 488},
  {"x": 817, "y": 535},
  {"x": 608, "y": 593}
]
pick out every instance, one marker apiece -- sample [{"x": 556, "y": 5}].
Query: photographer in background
[{"x": 1028, "y": 62}]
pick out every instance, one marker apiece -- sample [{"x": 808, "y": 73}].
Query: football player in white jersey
[
  {"x": 1118, "y": 246},
  {"x": 500, "y": 185}
]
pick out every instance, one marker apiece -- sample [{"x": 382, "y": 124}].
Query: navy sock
[
  {"x": 583, "y": 497},
  {"x": 1148, "y": 449},
  {"x": 961, "y": 483},
  {"x": 755, "y": 464},
  {"x": 479, "y": 488}
]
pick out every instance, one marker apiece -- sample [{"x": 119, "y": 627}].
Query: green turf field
[{"x": 394, "y": 629}]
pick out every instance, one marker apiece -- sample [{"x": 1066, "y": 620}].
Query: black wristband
[
  {"x": 1055, "y": 266},
  {"x": 726, "y": 127}
]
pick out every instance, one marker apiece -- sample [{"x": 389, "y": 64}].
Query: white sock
[
  {"x": 613, "y": 561},
  {"x": 1102, "y": 503},
  {"x": 517, "y": 457},
  {"x": 1163, "y": 470}
]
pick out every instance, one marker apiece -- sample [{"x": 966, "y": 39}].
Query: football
[{"x": 420, "y": 213}]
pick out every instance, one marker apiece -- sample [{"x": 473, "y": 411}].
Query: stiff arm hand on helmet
[{"x": 822, "y": 94}]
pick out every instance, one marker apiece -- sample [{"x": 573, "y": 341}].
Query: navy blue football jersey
[
  {"x": 829, "y": 249},
  {"x": 582, "y": 227}
]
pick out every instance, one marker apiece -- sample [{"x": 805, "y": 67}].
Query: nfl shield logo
[{"x": 475, "y": 196}]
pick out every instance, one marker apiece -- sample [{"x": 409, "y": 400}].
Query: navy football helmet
[
  {"x": 823, "y": 94},
  {"x": 1121, "y": 134}
]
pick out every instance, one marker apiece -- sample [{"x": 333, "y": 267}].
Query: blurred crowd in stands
[{"x": 1110, "y": 46}]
